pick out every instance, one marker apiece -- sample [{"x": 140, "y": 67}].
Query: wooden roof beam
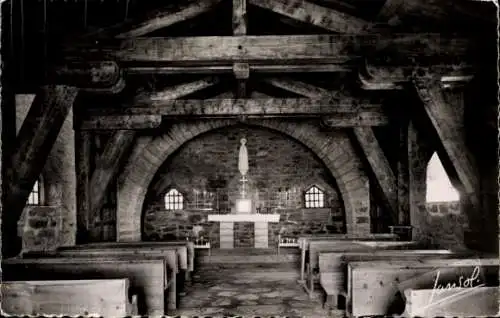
[
  {"x": 226, "y": 69},
  {"x": 229, "y": 107},
  {"x": 156, "y": 20},
  {"x": 323, "y": 17},
  {"x": 285, "y": 49}
]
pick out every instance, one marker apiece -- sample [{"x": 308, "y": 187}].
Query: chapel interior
[{"x": 299, "y": 158}]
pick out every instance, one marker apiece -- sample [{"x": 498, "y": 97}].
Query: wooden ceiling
[{"x": 34, "y": 35}]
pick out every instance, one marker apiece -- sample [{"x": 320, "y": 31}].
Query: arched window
[
  {"x": 174, "y": 200},
  {"x": 314, "y": 198},
  {"x": 439, "y": 187},
  {"x": 35, "y": 197}
]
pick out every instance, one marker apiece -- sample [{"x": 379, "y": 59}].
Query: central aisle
[{"x": 248, "y": 283}]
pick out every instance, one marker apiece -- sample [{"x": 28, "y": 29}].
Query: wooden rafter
[
  {"x": 323, "y": 17},
  {"x": 298, "y": 87},
  {"x": 156, "y": 20},
  {"x": 180, "y": 90},
  {"x": 447, "y": 124},
  {"x": 289, "y": 49},
  {"x": 34, "y": 142},
  {"x": 380, "y": 168}
]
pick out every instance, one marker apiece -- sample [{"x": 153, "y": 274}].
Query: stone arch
[{"x": 333, "y": 148}]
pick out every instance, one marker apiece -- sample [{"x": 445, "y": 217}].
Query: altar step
[{"x": 248, "y": 256}]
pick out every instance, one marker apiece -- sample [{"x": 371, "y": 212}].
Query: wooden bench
[
  {"x": 333, "y": 266},
  {"x": 147, "y": 277},
  {"x": 168, "y": 253},
  {"x": 186, "y": 251},
  {"x": 304, "y": 240},
  {"x": 452, "y": 302},
  {"x": 377, "y": 287},
  {"x": 103, "y": 297},
  {"x": 317, "y": 247}
]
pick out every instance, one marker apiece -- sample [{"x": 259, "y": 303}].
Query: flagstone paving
[{"x": 218, "y": 291}]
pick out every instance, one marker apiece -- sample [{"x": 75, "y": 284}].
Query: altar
[
  {"x": 226, "y": 228},
  {"x": 244, "y": 211}
]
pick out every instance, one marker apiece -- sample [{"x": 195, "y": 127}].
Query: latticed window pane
[
  {"x": 174, "y": 200},
  {"x": 34, "y": 198},
  {"x": 314, "y": 198}
]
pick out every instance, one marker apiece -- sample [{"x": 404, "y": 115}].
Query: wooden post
[
  {"x": 403, "y": 176},
  {"x": 82, "y": 155},
  {"x": 107, "y": 167}
]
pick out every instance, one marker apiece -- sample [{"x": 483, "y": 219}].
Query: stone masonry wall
[
  {"x": 281, "y": 170},
  {"x": 443, "y": 225},
  {"x": 40, "y": 228},
  {"x": 332, "y": 148}
]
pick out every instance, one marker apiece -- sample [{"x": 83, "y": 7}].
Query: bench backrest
[
  {"x": 68, "y": 297},
  {"x": 304, "y": 240},
  {"x": 147, "y": 277},
  {"x": 332, "y": 261},
  {"x": 181, "y": 249},
  {"x": 374, "y": 286},
  {"x": 453, "y": 302},
  {"x": 317, "y": 247},
  {"x": 170, "y": 255}
]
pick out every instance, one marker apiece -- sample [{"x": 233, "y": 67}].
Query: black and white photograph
[{"x": 249, "y": 158}]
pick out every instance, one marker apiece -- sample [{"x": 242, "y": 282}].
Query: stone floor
[{"x": 243, "y": 289}]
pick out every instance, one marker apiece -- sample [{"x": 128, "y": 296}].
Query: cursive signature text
[{"x": 471, "y": 281}]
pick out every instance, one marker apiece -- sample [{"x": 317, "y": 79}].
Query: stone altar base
[{"x": 226, "y": 228}]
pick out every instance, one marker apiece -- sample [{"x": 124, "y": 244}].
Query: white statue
[{"x": 243, "y": 158}]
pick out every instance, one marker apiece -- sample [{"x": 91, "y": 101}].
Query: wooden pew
[
  {"x": 377, "y": 287},
  {"x": 103, "y": 297},
  {"x": 147, "y": 276},
  {"x": 168, "y": 253},
  {"x": 186, "y": 251},
  {"x": 304, "y": 240},
  {"x": 333, "y": 266},
  {"x": 452, "y": 302},
  {"x": 316, "y": 247}
]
